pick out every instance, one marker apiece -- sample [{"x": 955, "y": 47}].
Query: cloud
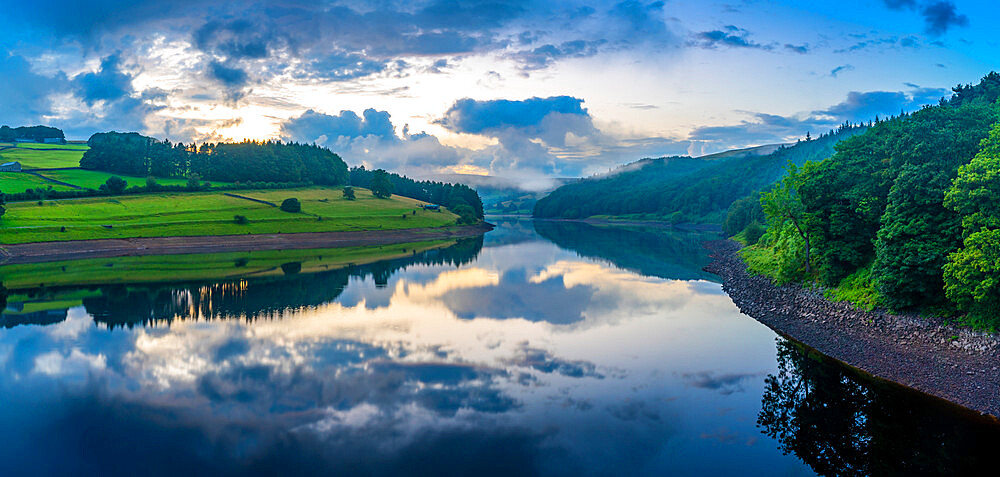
[
  {"x": 857, "y": 107},
  {"x": 800, "y": 49},
  {"x": 25, "y": 97},
  {"x": 840, "y": 69},
  {"x": 543, "y": 361},
  {"x": 724, "y": 383},
  {"x": 731, "y": 36},
  {"x": 312, "y": 126},
  {"x": 534, "y": 117},
  {"x": 545, "y": 55},
  {"x": 939, "y": 16},
  {"x": 108, "y": 83}
]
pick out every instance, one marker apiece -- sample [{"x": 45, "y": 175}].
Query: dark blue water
[{"x": 543, "y": 348}]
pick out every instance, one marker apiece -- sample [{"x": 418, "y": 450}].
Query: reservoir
[{"x": 540, "y": 348}]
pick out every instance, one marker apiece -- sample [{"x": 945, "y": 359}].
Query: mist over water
[{"x": 543, "y": 348}]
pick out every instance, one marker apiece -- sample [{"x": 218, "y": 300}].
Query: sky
[{"x": 519, "y": 89}]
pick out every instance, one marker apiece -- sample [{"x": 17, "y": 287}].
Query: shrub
[
  {"x": 241, "y": 219},
  {"x": 114, "y": 185},
  {"x": 291, "y": 205},
  {"x": 753, "y": 232},
  {"x": 349, "y": 193}
]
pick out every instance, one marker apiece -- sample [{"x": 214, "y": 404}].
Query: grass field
[
  {"x": 94, "y": 179},
  {"x": 39, "y": 145},
  {"x": 14, "y": 182},
  {"x": 210, "y": 213},
  {"x": 194, "y": 267},
  {"x": 32, "y": 159}
]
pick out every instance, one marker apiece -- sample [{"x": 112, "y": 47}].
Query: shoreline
[
  {"x": 955, "y": 364},
  {"x": 660, "y": 224},
  {"x": 41, "y": 252}
]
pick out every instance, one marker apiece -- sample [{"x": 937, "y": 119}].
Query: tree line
[
  {"x": 249, "y": 161},
  {"x": 458, "y": 198},
  {"x": 35, "y": 133},
  {"x": 910, "y": 210}
]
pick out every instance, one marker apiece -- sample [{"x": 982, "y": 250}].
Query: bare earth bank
[{"x": 105, "y": 248}]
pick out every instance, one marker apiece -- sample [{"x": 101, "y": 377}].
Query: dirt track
[{"x": 106, "y": 248}]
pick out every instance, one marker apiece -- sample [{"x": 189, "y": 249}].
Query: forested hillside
[
  {"x": 683, "y": 189},
  {"x": 904, "y": 216},
  {"x": 270, "y": 161}
]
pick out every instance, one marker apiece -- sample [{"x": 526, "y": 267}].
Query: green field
[
  {"x": 94, "y": 179},
  {"x": 210, "y": 213},
  {"x": 32, "y": 159},
  {"x": 39, "y": 145},
  {"x": 193, "y": 267},
  {"x": 14, "y": 182}
]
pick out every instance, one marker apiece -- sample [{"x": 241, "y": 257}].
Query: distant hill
[
  {"x": 682, "y": 188},
  {"x": 506, "y": 195}
]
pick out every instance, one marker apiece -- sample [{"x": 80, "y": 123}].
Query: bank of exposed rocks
[{"x": 926, "y": 354}]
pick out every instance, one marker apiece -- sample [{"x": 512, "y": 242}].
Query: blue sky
[{"x": 504, "y": 87}]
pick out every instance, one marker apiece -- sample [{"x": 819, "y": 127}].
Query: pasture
[
  {"x": 14, "y": 182},
  {"x": 36, "y": 159},
  {"x": 210, "y": 213}
]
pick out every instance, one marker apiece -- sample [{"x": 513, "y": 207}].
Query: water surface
[{"x": 545, "y": 348}]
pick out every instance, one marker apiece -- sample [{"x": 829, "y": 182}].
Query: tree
[
  {"x": 3, "y": 204},
  {"x": 114, "y": 185},
  {"x": 380, "y": 185},
  {"x": 193, "y": 181},
  {"x": 972, "y": 274},
  {"x": 349, "y": 193},
  {"x": 782, "y": 206},
  {"x": 291, "y": 205},
  {"x": 465, "y": 214}
]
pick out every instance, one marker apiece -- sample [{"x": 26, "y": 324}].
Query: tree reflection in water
[{"x": 843, "y": 423}]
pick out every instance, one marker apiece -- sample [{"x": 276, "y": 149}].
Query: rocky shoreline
[{"x": 956, "y": 364}]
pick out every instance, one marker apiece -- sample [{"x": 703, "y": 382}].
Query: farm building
[
  {"x": 10, "y": 167},
  {"x": 432, "y": 207}
]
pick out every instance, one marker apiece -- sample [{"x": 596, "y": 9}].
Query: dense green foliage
[
  {"x": 114, "y": 185},
  {"x": 683, "y": 189},
  {"x": 291, "y": 205},
  {"x": 899, "y": 200},
  {"x": 269, "y": 161},
  {"x": 380, "y": 184},
  {"x": 35, "y": 133},
  {"x": 348, "y": 193},
  {"x": 972, "y": 274},
  {"x": 448, "y": 195}
]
